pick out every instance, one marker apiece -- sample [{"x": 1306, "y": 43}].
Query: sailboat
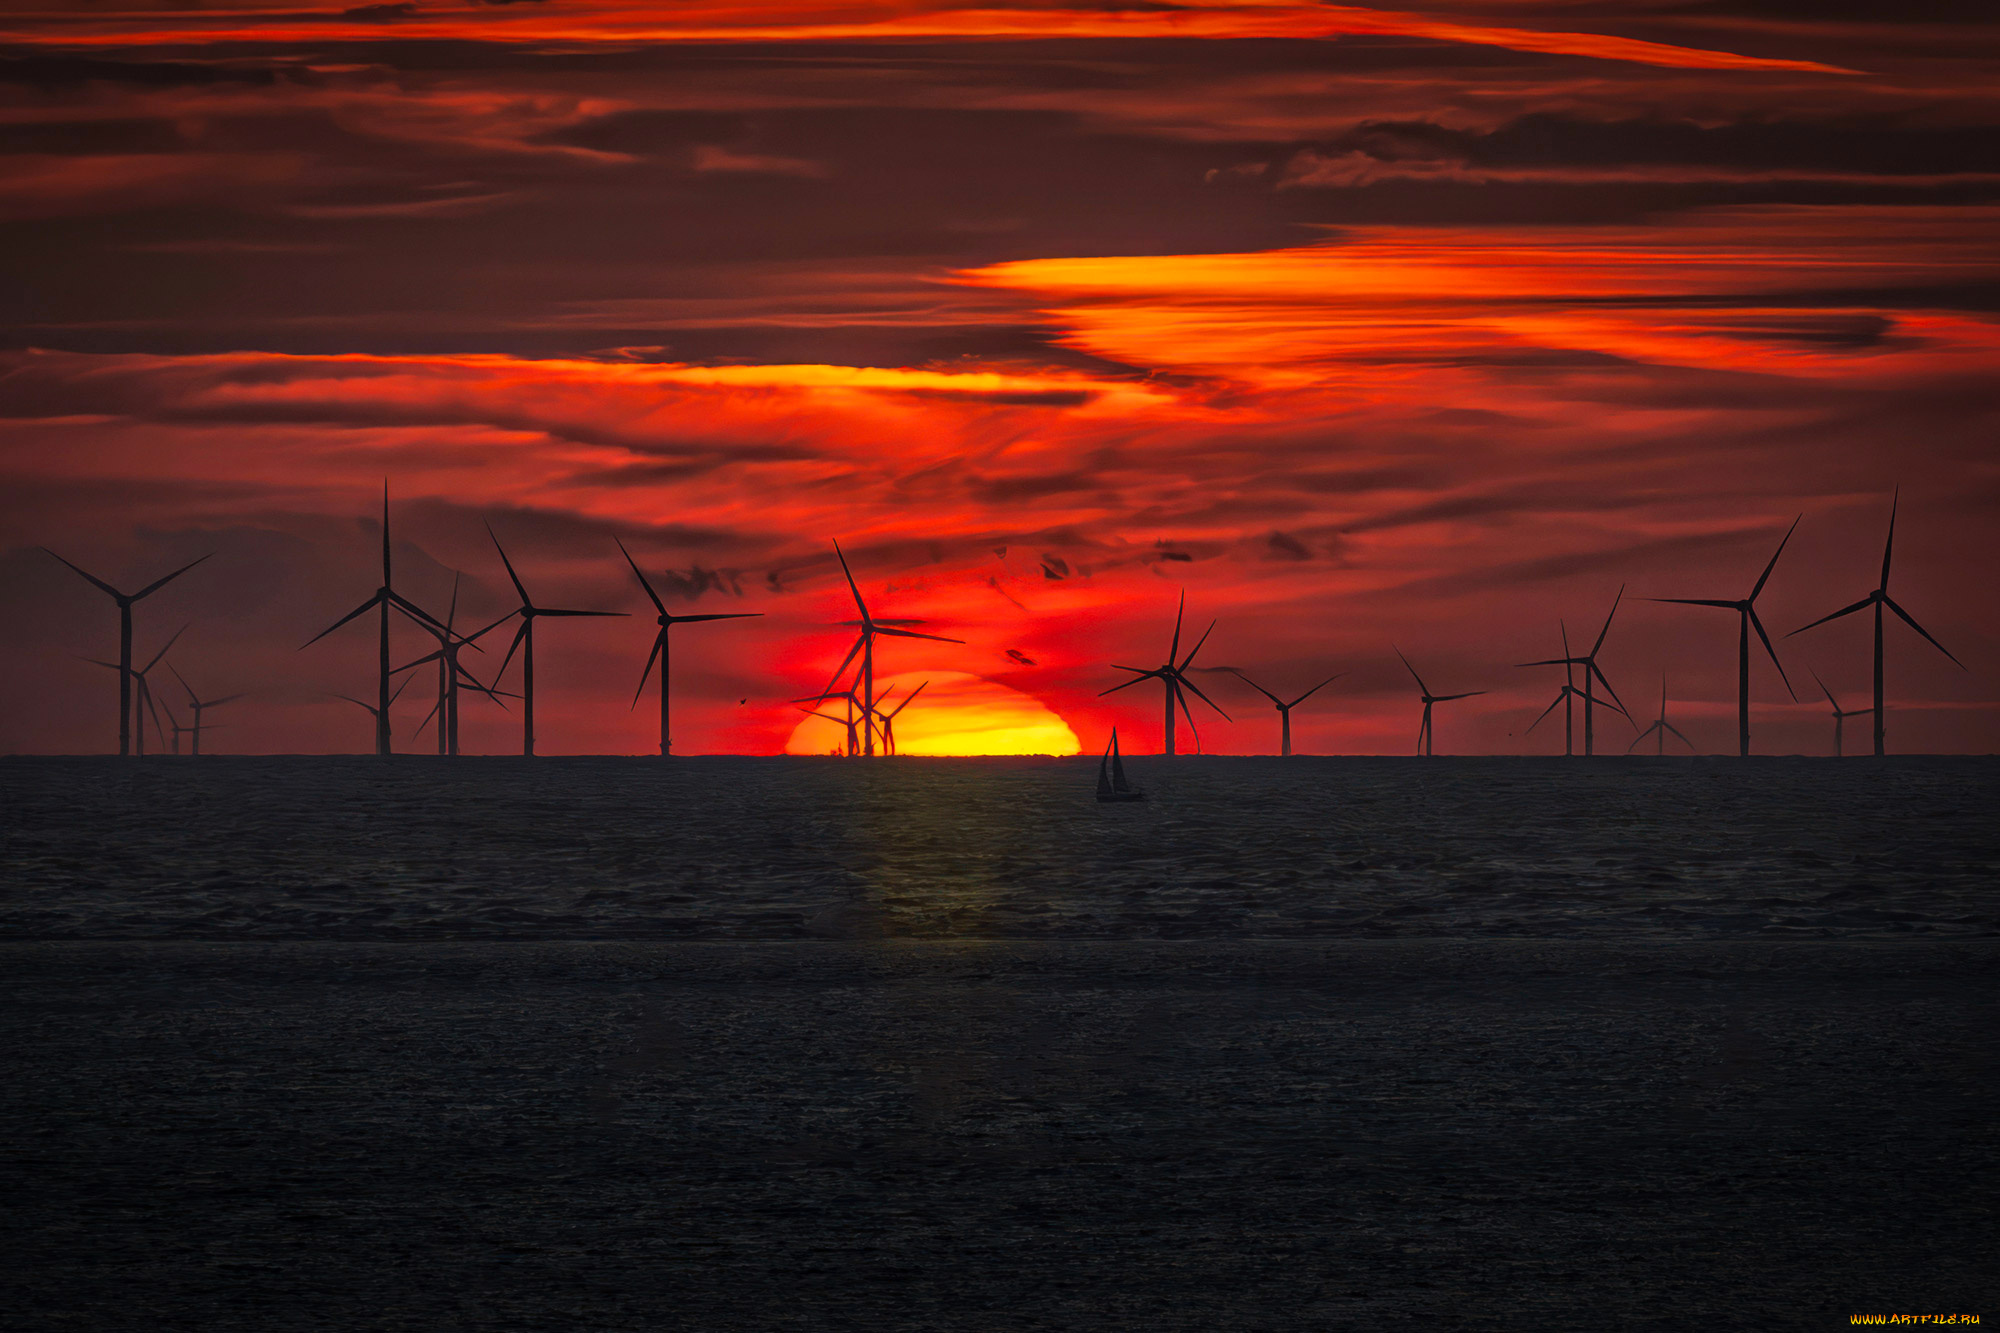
[{"x": 1111, "y": 783}]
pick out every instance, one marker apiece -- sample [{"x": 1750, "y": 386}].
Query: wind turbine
[
  {"x": 385, "y": 597},
  {"x": 1661, "y": 727},
  {"x": 1590, "y": 670},
  {"x": 1424, "y": 729},
  {"x": 377, "y": 712},
  {"x": 1284, "y": 709},
  {"x": 524, "y": 639},
  {"x": 1172, "y": 675},
  {"x": 145, "y": 700},
  {"x": 1565, "y": 699},
  {"x": 865, "y": 646},
  {"x": 197, "y": 704},
  {"x": 1746, "y": 611},
  {"x": 124, "y": 667},
  {"x": 660, "y": 643},
  {"x": 1879, "y": 599},
  {"x": 850, "y": 721},
  {"x": 1840, "y": 716},
  {"x": 450, "y": 673},
  {"x": 888, "y": 719}
]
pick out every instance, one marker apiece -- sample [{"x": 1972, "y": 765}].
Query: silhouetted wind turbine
[
  {"x": 1590, "y": 670},
  {"x": 145, "y": 700},
  {"x": 385, "y": 597},
  {"x": 524, "y": 639},
  {"x": 1284, "y": 709},
  {"x": 1424, "y": 728},
  {"x": 1172, "y": 675},
  {"x": 376, "y": 712},
  {"x": 124, "y": 667},
  {"x": 198, "y": 705},
  {"x": 1661, "y": 727},
  {"x": 1879, "y": 599},
  {"x": 1565, "y": 699},
  {"x": 865, "y": 646},
  {"x": 1840, "y": 716},
  {"x": 848, "y": 697},
  {"x": 888, "y": 719},
  {"x": 450, "y": 673},
  {"x": 1746, "y": 611},
  {"x": 660, "y": 643}
]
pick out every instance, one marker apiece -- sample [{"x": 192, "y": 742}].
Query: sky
[{"x": 1365, "y": 330}]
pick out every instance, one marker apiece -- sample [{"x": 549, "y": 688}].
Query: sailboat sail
[{"x": 1118, "y": 782}]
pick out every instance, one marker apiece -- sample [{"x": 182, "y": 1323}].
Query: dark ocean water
[{"x": 778, "y": 849}]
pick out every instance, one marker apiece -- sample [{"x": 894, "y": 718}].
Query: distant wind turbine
[
  {"x": 660, "y": 643},
  {"x": 198, "y": 705},
  {"x": 1661, "y": 727},
  {"x": 524, "y": 639},
  {"x": 887, "y": 720},
  {"x": 1840, "y": 716},
  {"x": 1879, "y": 599},
  {"x": 1746, "y": 611},
  {"x": 1566, "y": 698},
  {"x": 1284, "y": 708},
  {"x": 1424, "y": 728},
  {"x": 385, "y": 597},
  {"x": 145, "y": 701},
  {"x": 864, "y": 645},
  {"x": 124, "y": 667},
  {"x": 375, "y": 711},
  {"x": 1590, "y": 671},
  {"x": 1172, "y": 674},
  {"x": 451, "y": 674}
]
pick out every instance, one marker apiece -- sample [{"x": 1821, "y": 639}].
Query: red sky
[{"x": 1363, "y": 327}]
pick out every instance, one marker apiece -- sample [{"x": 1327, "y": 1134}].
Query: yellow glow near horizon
[{"x": 957, "y": 714}]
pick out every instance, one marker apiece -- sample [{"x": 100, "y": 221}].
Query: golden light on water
[{"x": 957, "y": 714}]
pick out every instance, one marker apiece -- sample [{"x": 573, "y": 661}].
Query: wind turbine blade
[
  {"x": 1180, "y": 681},
  {"x": 1547, "y": 661},
  {"x": 1420, "y": 680},
  {"x": 549, "y": 611},
  {"x": 1119, "y": 666},
  {"x": 1564, "y": 694},
  {"x": 851, "y": 586},
  {"x": 478, "y": 634},
  {"x": 1831, "y": 701},
  {"x": 906, "y": 703},
  {"x": 525, "y": 601},
  {"x": 451, "y": 610},
  {"x": 729, "y": 615},
  {"x": 356, "y": 702},
  {"x": 427, "y": 657},
  {"x": 428, "y": 716},
  {"x": 1247, "y": 681},
  {"x": 1907, "y": 620},
  {"x": 1197, "y": 647},
  {"x": 192, "y": 700},
  {"x": 1677, "y": 731},
  {"x": 1687, "y": 601},
  {"x": 519, "y": 634},
  {"x": 912, "y": 634},
  {"x": 158, "y": 584},
  {"x": 1774, "y": 560},
  {"x": 657, "y": 603},
  {"x": 1605, "y": 681},
  {"x": 1641, "y": 736},
  {"x": 98, "y": 661},
  {"x": 1441, "y": 698},
  {"x": 1314, "y": 690},
  {"x": 1890, "y": 545},
  {"x": 92, "y": 577},
  {"x": 1144, "y": 675},
  {"x": 1843, "y": 611},
  {"x": 841, "y": 670},
  {"x": 1607, "y": 622},
  {"x": 400, "y": 688},
  {"x": 659, "y": 642},
  {"x": 184, "y": 629},
  {"x": 1174, "y": 684},
  {"x": 465, "y": 677},
  {"x": 1758, "y": 625},
  {"x": 1174, "y": 649},
  {"x": 423, "y": 619},
  {"x": 366, "y": 606},
  {"x": 226, "y": 699}
]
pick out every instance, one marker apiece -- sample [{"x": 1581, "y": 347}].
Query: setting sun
[{"x": 957, "y": 714}]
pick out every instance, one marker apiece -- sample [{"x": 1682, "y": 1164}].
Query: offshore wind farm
[{"x": 1097, "y": 493}]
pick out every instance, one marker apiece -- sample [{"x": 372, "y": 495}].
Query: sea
[{"x": 944, "y": 1044}]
